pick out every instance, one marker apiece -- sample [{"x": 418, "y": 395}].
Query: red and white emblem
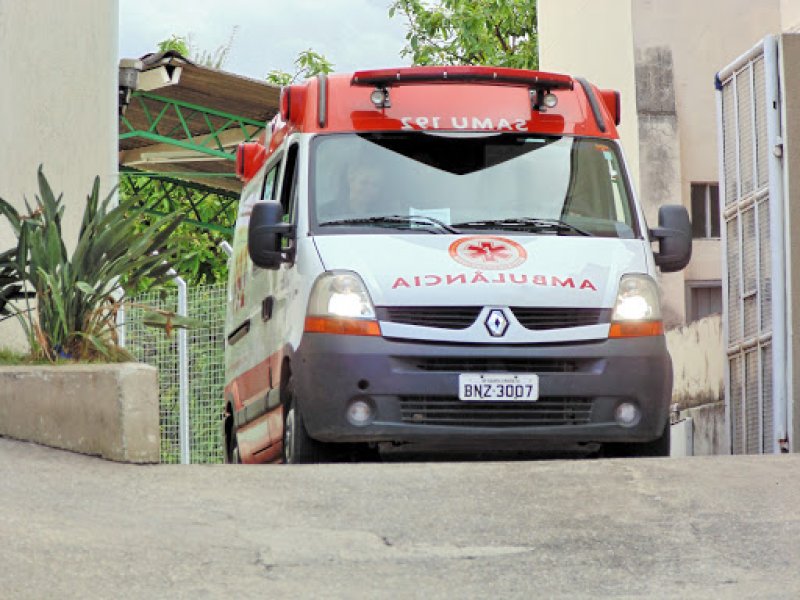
[{"x": 488, "y": 252}]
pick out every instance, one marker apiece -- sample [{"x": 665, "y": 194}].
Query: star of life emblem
[{"x": 488, "y": 252}]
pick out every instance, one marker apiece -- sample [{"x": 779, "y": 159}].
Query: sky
[{"x": 352, "y": 34}]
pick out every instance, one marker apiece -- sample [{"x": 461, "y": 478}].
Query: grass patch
[{"x": 12, "y": 358}]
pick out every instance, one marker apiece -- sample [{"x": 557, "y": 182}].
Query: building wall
[
  {"x": 58, "y": 106},
  {"x": 790, "y": 15},
  {"x": 702, "y": 37},
  {"x": 663, "y": 57},
  {"x": 790, "y": 96},
  {"x": 594, "y": 40}
]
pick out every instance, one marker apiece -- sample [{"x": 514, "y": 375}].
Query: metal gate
[{"x": 748, "y": 113}]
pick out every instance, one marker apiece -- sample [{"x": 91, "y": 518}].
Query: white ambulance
[{"x": 442, "y": 255}]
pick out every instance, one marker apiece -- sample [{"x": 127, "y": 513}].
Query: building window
[
  {"x": 705, "y": 210},
  {"x": 703, "y": 298}
]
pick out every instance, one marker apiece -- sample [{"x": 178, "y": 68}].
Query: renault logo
[{"x": 496, "y": 323}]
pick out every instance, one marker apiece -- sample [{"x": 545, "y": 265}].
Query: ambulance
[{"x": 445, "y": 255}]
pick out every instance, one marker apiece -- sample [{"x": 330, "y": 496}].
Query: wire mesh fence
[{"x": 206, "y": 369}]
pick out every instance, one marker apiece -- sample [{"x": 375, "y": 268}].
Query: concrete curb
[{"x": 107, "y": 410}]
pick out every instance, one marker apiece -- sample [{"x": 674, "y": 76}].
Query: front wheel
[
  {"x": 658, "y": 447},
  {"x": 298, "y": 446}
]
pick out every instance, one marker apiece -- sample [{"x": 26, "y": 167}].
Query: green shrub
[{"x": 78, "y": 296}]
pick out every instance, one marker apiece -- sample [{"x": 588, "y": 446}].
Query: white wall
[{"x": 58, "y": 105}]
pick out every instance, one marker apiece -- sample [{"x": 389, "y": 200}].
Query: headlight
[
  {"x": 340, "y": 294},
  {"x": 340, "y": 304},
  {"x": 637, "y": 299},
  {"x": 637, "y": 311}
]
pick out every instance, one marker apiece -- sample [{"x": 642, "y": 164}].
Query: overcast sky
[{"x": 352, "y": 34}]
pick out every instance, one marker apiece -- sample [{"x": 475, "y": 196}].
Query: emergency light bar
[{"x": 472, "y": 74}]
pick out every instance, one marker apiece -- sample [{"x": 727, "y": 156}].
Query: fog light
[
  {"x": 360, "y": 413},
  {"x": 627, "y": 414},
  {"x": 550, "y": 100},
  {"x": 380, "y": 98}
]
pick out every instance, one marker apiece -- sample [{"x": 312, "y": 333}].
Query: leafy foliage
[
  {"x": 307, "y": 64},
  {"x": 178, "y": 43},
  {"x": 78, "y": 297},
  {"x": 198, "y": 258},
  {"x": 11, "y": 287},
  {"x": 214, "y": 59},
  {"x": 470, "y": 32}
]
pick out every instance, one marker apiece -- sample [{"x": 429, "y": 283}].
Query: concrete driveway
[{"x": 79, "y": 527}]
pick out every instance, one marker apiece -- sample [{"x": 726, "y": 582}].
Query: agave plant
[
  {"x": 77, "y": 297},
  {"x": 10, "y": 286}
]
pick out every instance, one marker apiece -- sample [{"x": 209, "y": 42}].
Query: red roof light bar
[{"x": 470, "y": 74}]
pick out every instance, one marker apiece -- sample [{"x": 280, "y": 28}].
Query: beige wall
[
  {"x": 698, "y": 362},
  {"x": 702, "y": 43},
  {"x": 790, "y": 15},
  {"x": 58, "y": 107},
  {"x": 634, "y": 44},
  {"x": 790, "y": 94},
  {"x": 594, "y": 40}
]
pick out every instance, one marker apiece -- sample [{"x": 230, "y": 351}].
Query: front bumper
[{"x": 413, "y": 389}]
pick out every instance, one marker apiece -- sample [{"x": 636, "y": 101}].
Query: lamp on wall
[{"x": 129, "y": 70}]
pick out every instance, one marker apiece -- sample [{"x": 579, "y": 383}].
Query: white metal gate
[{"x": 749, "y": 125}]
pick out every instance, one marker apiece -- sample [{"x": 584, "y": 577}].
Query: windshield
[{"x": 435, "y": 182}]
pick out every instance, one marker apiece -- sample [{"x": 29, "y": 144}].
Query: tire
[
  {"x": 232, "y": 456},
  {"x": 657, "y": 447},
  {"x": 298, "y": 446},
  {"x": 236, "y": 458}
]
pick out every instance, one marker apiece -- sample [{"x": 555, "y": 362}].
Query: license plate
[{"x": 498, "y": 387}]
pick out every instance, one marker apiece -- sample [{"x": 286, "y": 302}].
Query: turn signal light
[
  {"x": 342, "y": 326},
  {"x": 628, "y": 329}
]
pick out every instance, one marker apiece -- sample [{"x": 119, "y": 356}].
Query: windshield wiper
[
  {"x": 526, "y": 224},
  {"x": 391, "y": 220}
]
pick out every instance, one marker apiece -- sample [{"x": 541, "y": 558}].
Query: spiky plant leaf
[{"x": 75, "y": 312}]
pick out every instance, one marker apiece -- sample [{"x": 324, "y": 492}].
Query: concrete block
[
  {"x": 107, "y": 410},
  {"x": 682, "y": 438},
  {"x": 710, "y": 433}
]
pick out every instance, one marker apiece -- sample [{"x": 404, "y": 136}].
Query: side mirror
[
  {"x": 674, "y": 235},
  {"x": 265, "y": 234}
]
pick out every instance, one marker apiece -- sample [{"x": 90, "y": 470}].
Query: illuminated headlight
[
  {"x": 340, "y": 294},
  {"x": 550, "y": 100},
  {"x": 637, "y": 299}
]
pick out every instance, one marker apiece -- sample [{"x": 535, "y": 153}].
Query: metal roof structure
[{"x": 182, "y": 122}]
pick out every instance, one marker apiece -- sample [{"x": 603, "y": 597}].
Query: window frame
[
  {"x": 707, "y": 213},
  {"x": 692, "y": 285}
]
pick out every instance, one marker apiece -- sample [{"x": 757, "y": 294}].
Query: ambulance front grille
[
  {"x": 452, "y": 412},
  {"x": 444, "y": 317},
  {"x": 501, "y": 364},
  {"x": 462, "y": 317},
  {"x": 560, "y": 318}
]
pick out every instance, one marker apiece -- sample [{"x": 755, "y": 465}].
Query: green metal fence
[{"x": 205, "y": 364}]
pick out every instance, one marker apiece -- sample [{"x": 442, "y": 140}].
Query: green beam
[
  {"x": 154, "y": 137},
  {"x": 200, "y": 109},
  {"x": 177, "y": 175},
  {"x": 201, "y": 142}
]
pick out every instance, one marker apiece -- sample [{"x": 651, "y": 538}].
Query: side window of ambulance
[
  {"x": 271, "y": 183},
  {"x": 288, "y": 189}
]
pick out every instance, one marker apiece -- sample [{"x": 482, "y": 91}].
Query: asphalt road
[{"x": 79, "y": 527}]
